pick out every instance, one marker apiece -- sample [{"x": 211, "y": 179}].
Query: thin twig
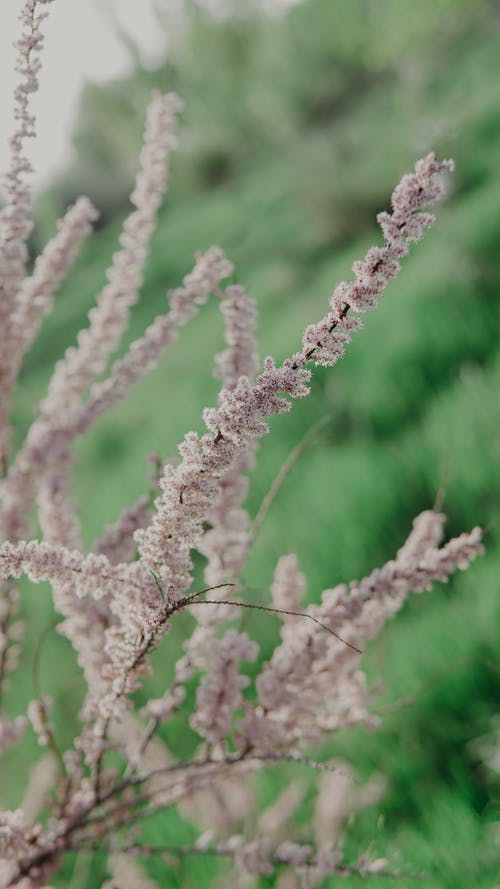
[
  {"x": 444, "y": 482},
  {"x": 148, "y": 645},
  {"x": 283, "y": 472},
  {"x": 235, "y": 759},
  {"x": 147, "y": 849},
  {"x": 283, "y": 611}
]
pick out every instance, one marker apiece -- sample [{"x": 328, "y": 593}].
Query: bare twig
[{"x": 283, "y": 472}]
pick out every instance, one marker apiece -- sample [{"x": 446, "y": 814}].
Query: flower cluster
[
  {"x": 117, "y": 600},
  {"x": 15, "y": 217}
]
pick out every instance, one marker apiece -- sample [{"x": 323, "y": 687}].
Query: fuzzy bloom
[
  {"x": 390, "y": 584},
  {"x": 190, "y": 489},
  {"x": 221, "y": 807},
  {"x": 16, "y": 836},
  {"x": 19, "y": 489},
  {"x": 326, "y": 861},
  {"x": 56, "y": 509},
  {"x": 325, "y": 341},
  {"x": 93, "y": 574},
  {"x": 219, "y": 692},
  {"x": 139, "y": 618},
  {"x": 127, "y": 874},
  {"x": 18, "y": 842},
  {"x": 194, "y": 781},
  {"x": 38, "y": 716},
  {"x": 240, "y": 358},
  {"x": 117, "y": 542},
  {"x": 274, "y": 822},
  {"x": 253, "y": 857},
  {"x": 426, "y": 533},
  {"x": 11, "y": 730},
  {"x": 36, "y": 295},
  {"x": 41, "y": 781},
  {"x": 289, "y": 585},
  {"x": 145, "y": 353},
  {"x": 160, "y": 709},
  {"x": 313, "y": 684},
  {"x": 50, "y": 436},
  {"x": 11, "y": 631},
  {"x": 16, "y": 217},
  {"x": 293, "y": 853},
  {"x": 128, "y": 735},
  {"x": 334, "y": 803},
  {"x": 226, "y": 541},
  {"x": 109, "y": 318},
  {"x": 74, "y": 576},
  {"x": 340, "y": 796},
  {"x": 84, "y": 621},
  {"x": 258, "y": 857}
]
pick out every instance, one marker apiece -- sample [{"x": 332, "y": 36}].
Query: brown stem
[{"x": 283, "y": 611}]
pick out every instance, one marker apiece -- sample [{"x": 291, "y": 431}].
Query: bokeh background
[{"x": 298, "y": 121}]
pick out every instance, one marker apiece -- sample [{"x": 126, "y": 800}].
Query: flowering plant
[{"x": 119, "y": 599}]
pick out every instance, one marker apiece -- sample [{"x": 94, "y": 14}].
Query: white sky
[{"x": 80, "y": 44}]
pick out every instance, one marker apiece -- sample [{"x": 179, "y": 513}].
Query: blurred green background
[{"x": 295, "y": 129}]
